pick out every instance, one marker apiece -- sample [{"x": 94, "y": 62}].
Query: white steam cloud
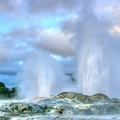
[
  {"x": 97, "y": 55},
  {"x": 41, "y": 76}
]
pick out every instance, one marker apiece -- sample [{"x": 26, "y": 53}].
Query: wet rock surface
[
  {"x": 64, "y": 104},
  {"x": 78, "y": 97},
  {"x": 21, "y": 108}
]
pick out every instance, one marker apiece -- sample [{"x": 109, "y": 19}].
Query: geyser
[
  {"x": 41, "y": 76},
  {"x": 97, "y": 53}
]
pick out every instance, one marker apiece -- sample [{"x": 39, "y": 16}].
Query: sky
[
  {"x": 47, "y": 25},
  {"x": 30, "y": 27}
]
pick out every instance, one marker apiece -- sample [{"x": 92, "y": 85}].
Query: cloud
[
  {"x": 68, "y": 26},
  {"x": 109, "y": 10},
  {"x": 31, "y": 38},
  {"x": 115, "y": 30},
  {"x": 24, "y": 33},
  {"x": 56, "y": 43},
  {"x": 3, "y": 54},
  {"x": 9, "y": 5},
  {"x": 38, "y": 6},
  {"x": 5, "y": 46}
]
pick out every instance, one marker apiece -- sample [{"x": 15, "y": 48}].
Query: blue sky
[{"x": 44, "y": 21}]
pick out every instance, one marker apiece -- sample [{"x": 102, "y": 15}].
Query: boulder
[
  {"x": 77, "y": 97},
  {"x": 66, "y": 110},
  {"x": 99, "y": 98},
  {"x": 5, "y": 118},
  {"x": 21, "y": 108},
  {"x": 105, "y": 109},
  {"x": 115, "y": 100}
]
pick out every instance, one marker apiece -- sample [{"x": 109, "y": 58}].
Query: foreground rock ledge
[
  {"x": 64, "y": 104},
  {"x": 78, "y": 97}
]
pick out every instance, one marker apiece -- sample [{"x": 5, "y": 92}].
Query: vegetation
[{"x": 6, "y": 93}]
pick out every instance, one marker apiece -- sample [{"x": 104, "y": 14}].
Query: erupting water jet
[
  {"x": 97, "y": 54},
  {"x": 41, "y": 76}
]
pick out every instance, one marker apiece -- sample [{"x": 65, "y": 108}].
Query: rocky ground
[{"x": 65, "y": 106}]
